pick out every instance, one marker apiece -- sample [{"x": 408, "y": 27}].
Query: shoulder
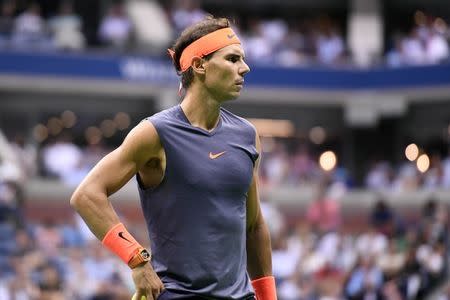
[
  {"x": 164, "y": 115},
  {"x": 143, "y": 138},
  {"x": 238, "y": 121},
  {"x": 166, "y": 118}
]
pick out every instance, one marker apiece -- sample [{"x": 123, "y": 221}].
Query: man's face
[{"x": 224, "y": 73}]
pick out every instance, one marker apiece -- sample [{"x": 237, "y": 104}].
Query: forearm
[
  {"x": 96, "y": 211},
  {"x": 259, "y": 252},
  {"x": 99, "y": 215}
]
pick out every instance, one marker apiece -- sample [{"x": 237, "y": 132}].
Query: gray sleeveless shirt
[{"x": 196, "y": 217}]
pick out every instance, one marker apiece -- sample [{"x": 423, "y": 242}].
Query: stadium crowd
[
  {"x": 286, "y": 162},
  {"x": 319, "y": 254},
  {"x": 149, "y": 27}
]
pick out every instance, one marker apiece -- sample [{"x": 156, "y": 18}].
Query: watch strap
[{"x": 141, "y": 257}]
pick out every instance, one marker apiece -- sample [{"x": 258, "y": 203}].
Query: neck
[{"x": 201, "y": 109}]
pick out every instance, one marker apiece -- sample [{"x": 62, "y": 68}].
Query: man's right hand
[{"x": 147, "y": 282}]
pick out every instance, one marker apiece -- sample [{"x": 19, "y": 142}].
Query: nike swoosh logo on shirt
[{"x": 214, "y": 156}]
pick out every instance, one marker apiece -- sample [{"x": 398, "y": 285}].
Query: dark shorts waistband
[{"x": 169, "y": 295}]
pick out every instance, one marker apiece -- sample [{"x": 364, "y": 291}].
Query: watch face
[{"x": 145, "y": 254}]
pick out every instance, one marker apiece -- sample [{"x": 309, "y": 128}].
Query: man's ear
[{"x": 198, "y": 65}]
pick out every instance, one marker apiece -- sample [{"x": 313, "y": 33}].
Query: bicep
[{"x": 119, "y": 166}]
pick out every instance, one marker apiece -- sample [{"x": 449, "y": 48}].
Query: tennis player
[{"x": 197, "y": 171}]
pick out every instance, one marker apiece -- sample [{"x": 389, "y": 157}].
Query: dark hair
[{"x": 191, "y": 34}]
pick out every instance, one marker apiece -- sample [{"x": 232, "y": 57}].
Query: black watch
[{"x": 141, "y": 257}]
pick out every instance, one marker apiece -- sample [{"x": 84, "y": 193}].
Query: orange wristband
[
  {"x": 265, "y": 288},
  {"x": 121, "y": 242}
]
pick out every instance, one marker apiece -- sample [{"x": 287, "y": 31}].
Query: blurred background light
[
  {"x": 317, "y": 135},
  {"x": 93, "y": 135},
  {"x": 40, "y": 133},
  {"x": 122, "y": 120},
  {"x": 412, "y": 152},
  {"x": 68, "y": 118},
  {"x": 328, "y": 160},
  {"x": 55, "y": 126},
  {"x": 423, "y": 163},
  {"x": 108, "y": 128}
]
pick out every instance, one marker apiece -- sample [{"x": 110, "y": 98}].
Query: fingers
[
  {"x": 150, "y": 295},
  {"x": 141, "y": 296},
  {"x": 157, "y": 292},
  {"x": 147, "y": 283}
]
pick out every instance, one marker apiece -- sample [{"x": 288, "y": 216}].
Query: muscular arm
[
  {"x": 259, "y": 252},
  {"x": 90, "y": 199}
]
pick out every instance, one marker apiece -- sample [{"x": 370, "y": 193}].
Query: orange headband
[{"x": 206, "y": 45}]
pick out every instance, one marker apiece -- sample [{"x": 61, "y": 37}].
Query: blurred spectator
[
  {"x": 48, "y": 237},
  {"x": 21, "y": 285},
  {"x": 429, "y": 210},
  {"x": 446, "y": 170},
  {"x": 379, "y": 176},
  {"x": 75, "y": 275},
  {"x": 92, "y": 153},
  {"x": 302, "y": 169},
  {"x": 10, "y": 210},
  {"x": 291, "y": 51},
  {"x": 324, "y": 212},
  {"x": 66, "y": 28},
  {"x": 99, "y": 265},
  {"x": 275, "y": 164},
  {"x": 71, "y": 234},
  {"x": 152, "y": 28},
  {"x": 431, "y": 259},
  {"x": 284, "y": 261},
  {"x": 425, "y": 44},
  {"x": 26, "y": 154},
  {"x": 271, "y": 213},
  {"x": 7, "y": 11},
  {"x": 311, "y": 261},
  {"x": 274, "y": 31},
  {"x": 394, "y": 57},
  {"x": 408, "y": 282},
  {"x": 30, "y": 30},
  {"x": 435, "y": 175},
  {"x": 383, "y": 218},
  {"x": 365, "y": 281},
  {"x": 298, "y": 287},
  {"x": 436, "y": 48},
  {"x": 24, "y": 243},
  {"x": 257, "y": 46},
  {"x": 378, "y": 243},
  {"x": 407, "y": 178},
  {"x": 115, "y": 27},
  {"x": 392, "y": 261},
  {"x": 444, "y": 293},
  {"x": 330, "y": 282},
  {"x": 346, "y": 254},
  {"x": 330, "y": 47},
  {"x": 50, "y": 283},
  {"x": 10, "y": 167},
  {"x": 413, "y": 49},
  {"x": 185, "y": 13},
  {"x": 434, "y": 227},
  {"x": 61, "y": 157}
]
